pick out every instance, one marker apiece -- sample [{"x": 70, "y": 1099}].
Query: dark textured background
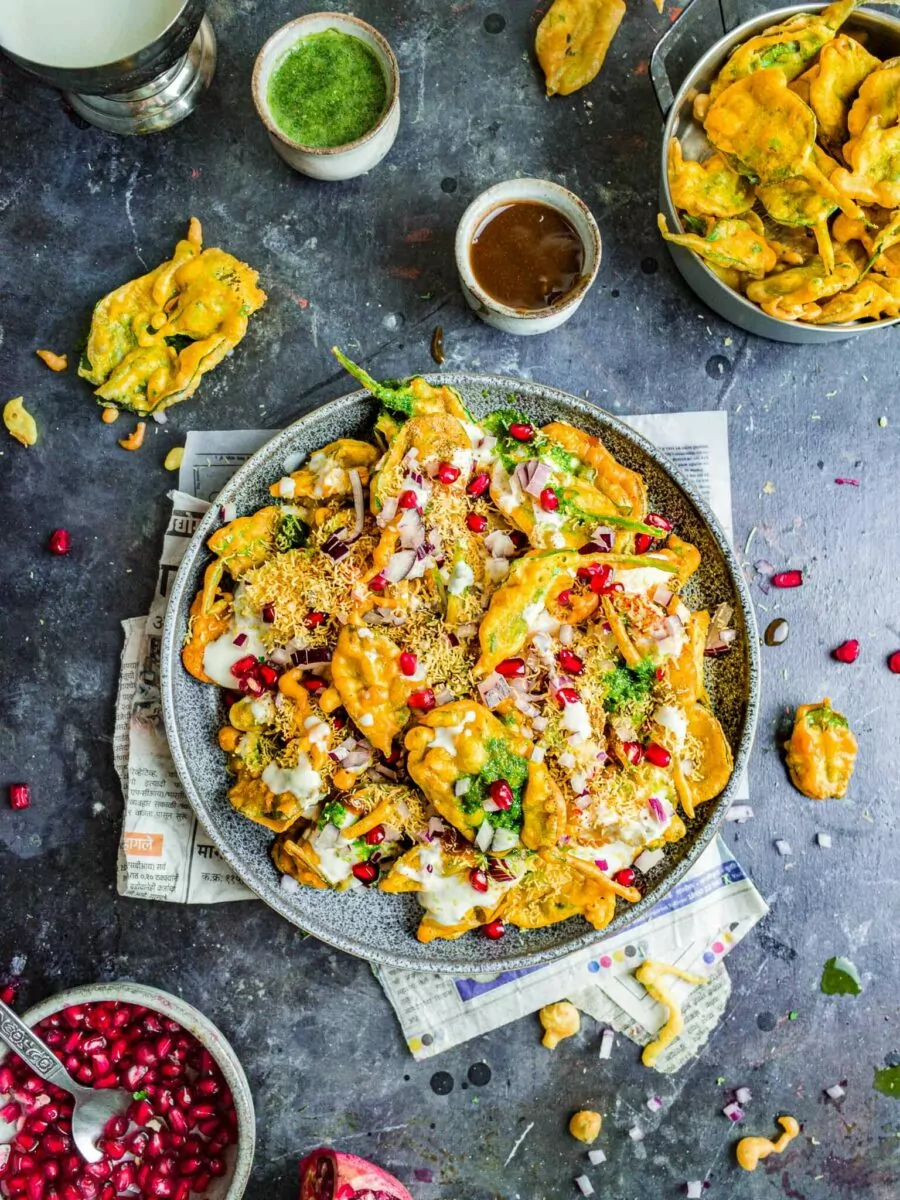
[{"x": 369, "y": 264}]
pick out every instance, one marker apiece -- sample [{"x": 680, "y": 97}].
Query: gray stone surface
[{"x": 369, "y": 265}]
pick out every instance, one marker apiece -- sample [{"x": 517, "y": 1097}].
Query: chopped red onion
[
  {"x": 836, "y": 1092},
  {"x": 656, "y": 808},
  {"x": 339, "y": 753},
  {"x": 386, "y": 772},
  {"x": 392, "y": 833},
  {"x": 597, "y": 1157},
  {"x": 739, "y": 813},
  {"x": 824, "y": 840},
  {"x": 733, "y": 1112},
  {"x": 566, "y": 635},
  {"x": 607, "y": 1038},
  {"x": 436, "y": 826},
  {"x": 227, "y": 512},
  {"x": 604, "y": 537},
  {"x": 490, "y": 805},
  {"x": 584, "y": 1185},
  {"x": 399, "y": 565},
  {"x": 240, "y": 639},
  {"x": 359, "y": 505},
  {"x": 743, "y": 1095},
  {"x": 289, "y": 884},
  {"x": 783, "y": 847},
  {"x": 290, "y": 464},
  {"x": 673, "y": 626},
  {"x": 444, "y": 696},
  {"x": 694, "y": 1189},
  {"x": 540, "y": 724},
  {"x": 493, "y": 690},
  {"x": 462, "y": 785},
  {"x": 636, "y": 1133},
  {"x": 662, "y": 596},
  {"x": 655, "y": 1103},
  {"x": 312, "y": 656},
  {"x": 532, "y": 476},
  {"x": 601, "y": 863},
  {"x": 328, "y": 836},
  {"x": 335, "y": 547},
  {"x": 648, "y": 859},
  {"x": 500, "y": 544},
  {"x": 484, "y": 836},
  {"x": 357, "y": 760},
  {"x": 281, "y": 657},
  {"x": 538, "y": 754}
]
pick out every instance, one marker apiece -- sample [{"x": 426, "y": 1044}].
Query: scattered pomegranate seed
[
  {"x": 447, "y": 473},
  {"x": 313, "y": 684},
  {"x": 518, "y": 538},
  {"x": 851, "y": 482},
  {"x": 365, "y": 872},
  {"x": 423, "y": 700},
  {"x": 589, "y": 570},
  {"x": 314, "y": 619},
  {"x": 549, "y": 500},
  {"x": 564, "y": 599},
  {"x": 567, "y": 695},
  {"x": 625, "y": 876},
  {"x": 19, "y": 795},
  {"x": 375, "y": 836},
  {"x": 511, "y": 668},
  {"x": 656, "y": 754},
  {"x": 378, "y": 583},
  {"x": 642, "y": 543},
  {"x": 658, "y": 521},
  {"x": 244, "y": 666},
  {"x": 787, "y": 579},
  {"x": 894, "y": 662},
  {"x": 60, "y": 542},
  {"x": 602, "y": 586},
  {"x": 521, "y": 432},
  {"x": 268, "y": 613},
  {"x": 8, "y": 996},
  {"x": 478, "y": 484},
  {"x": 847, "y": 652},
  {"x": 478, "y": 879},
  {"x": 408, "y": 663},
  {"x": 494, "y": 929},
  {"x": 633, "y": 751},
  {"x": 408, "y": 499},
  {"x": 501, "y": 794},
  {"x": 268, "y": 675},
  {"x": 660, "y": 673},
  {"x": 570, "y": 663},
  {"x": 476, "y": 522}
]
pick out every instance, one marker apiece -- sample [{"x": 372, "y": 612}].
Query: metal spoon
[{"x": 93, "y": 1106}]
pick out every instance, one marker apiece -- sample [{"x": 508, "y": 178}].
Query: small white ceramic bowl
[
  {"x": 329, "y": 162},
  {"x": 542, "y": 191},
  {"x": 239, "y": 1157}
]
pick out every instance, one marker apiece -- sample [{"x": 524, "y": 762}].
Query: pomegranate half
[{"x": 332, "y": 1175}]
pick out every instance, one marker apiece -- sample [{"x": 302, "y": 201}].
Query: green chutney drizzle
[{"x": 328, "y": 90}]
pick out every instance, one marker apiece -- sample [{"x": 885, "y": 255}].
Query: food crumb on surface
[
  {"x": 108, "y": 415},
  {"x": 560, "y": 1021},
  {"x": 19, "y": 421},
  {"x": 56, "y": 362},
  {"x": 135, "y": 439},
  {"x": 585, "y": 1125},
  {"x": 174, "y": 458}
]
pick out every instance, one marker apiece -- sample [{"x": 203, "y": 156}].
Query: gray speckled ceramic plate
[{"x": 379, "y": 927}]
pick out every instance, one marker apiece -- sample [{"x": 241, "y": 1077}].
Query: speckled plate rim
[
  {"x": 273, "y": 895},
  {"x": 196, "y": 1023}
]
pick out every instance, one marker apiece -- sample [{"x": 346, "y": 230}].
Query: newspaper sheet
[{"x": 165, "y": 854}]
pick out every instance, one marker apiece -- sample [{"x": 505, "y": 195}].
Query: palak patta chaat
[
  {"x": 798, "y": 204},
  {"x": 457, "y": 661}
]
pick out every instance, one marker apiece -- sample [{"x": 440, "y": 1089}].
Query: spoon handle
[{"x": 29, "y": 1047}]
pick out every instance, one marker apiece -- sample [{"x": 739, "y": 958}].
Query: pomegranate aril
[
  {"x": 123, "y": 1177},
  {"x": 365, "y": 872},
  {"x": 38, "y": 1126},
  {"x": 88, "y": 1188},
  {"x": 34, "y": 1187},
  {"x": 143, "y": 1175},
  {"x": 164, "y": 1044},
  {"x": 134, "y": 1076},
  {"x": 478, "y": 484},
  {"x": 99, "y": 1170},
  {"x": 787, "y": 579},
  {"x": 19, "y": 795},
  {"x": 511, "y": 668},
  {"x": 314, "y": 619},
  {"x": 378, "y": 583},
  {"x": 216, "y": 1167},
  {"x": 51, "y": 1169},
  {"x": 424, "y": 700},
  {"x": 189, "y": 1166},
  {"x": 116, "y": 1127},
  {"x": 268, "y": 613},
  {"x": 74, "y": 1015},
  {"x": 25, "y": 1141},
  {"x": 244, "y": 666},
  {"x": 100, "y": 1063},
  {"x": 70, "y": 1192},
  {"x": 140, "y": 1112},
  {"x": 314, "y": 684},
  {"x": 564, "y": 598},
  {"x": 501, "y": 794},
  {"x": 847, "y": 652},
  {"x": 6, "y": 1079},
  {"x": 208, "y": 1087},
  {"x": 549, "y": 500},
  {"x": 113, "y": 1149},
  {"x": 408, "y": 499},
  {"x": 642, "y": 543},
  {"x": 476, "y": 522},
  {"x": 200, "y": 1182},
  {"x": 567, "y": 695},
  {"x": 60, "y": 541},
  {"x": 98, "y": 1016},
  {"x": 160, "y": 1186},
  {"x": 165, "y": 1100},
  {"x": 11, "y": 1112},
  {"x": 447, "y": 473},
  {"x": 408, "y": 663},
  {"x": 210, "y": 1127},
  {"x": 137, "y": 1143},
  {"x": 155, "y": 1145},
  {"x": 375, "y": 836},
  {"x": 521, "y": 431},
  {"x": 494, "y": 929},
  {"x": 570, "y": 662},
  {"x": 656, "y": 754},
  {"x": 633, "y": 751},
  {"x": 893, "y": 662},
  {"x": 90, "y": 1045},
  {"x": 625, "y": 877},
  {"x": 178, "y": 1122},
  {"x": 170, "y": 1070},
  {"x": 478, "y": 879},
  {"x": 165, "y": 1166},
  {"x": 658, "y": 521},
  {"x": 268, "y": 675}
]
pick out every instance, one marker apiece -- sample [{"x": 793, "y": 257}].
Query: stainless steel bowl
[
  {"x": 149, "y": 90},
  {"x": 882, "y": 38}
]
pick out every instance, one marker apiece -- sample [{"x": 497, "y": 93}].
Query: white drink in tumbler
[{"x": 75, "y": 34}]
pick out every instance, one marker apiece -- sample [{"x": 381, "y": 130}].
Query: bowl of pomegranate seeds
[{"x": 188, "y": 1132}]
